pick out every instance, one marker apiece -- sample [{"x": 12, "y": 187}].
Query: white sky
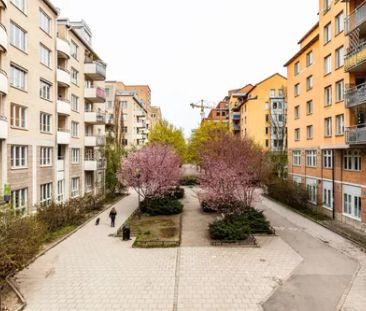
[{"x": 192, "y": 49}]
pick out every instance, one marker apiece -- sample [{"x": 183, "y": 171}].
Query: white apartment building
[{"x": 52, "y": 106}]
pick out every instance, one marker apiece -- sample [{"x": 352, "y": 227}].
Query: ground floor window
[
  {"x": 75, "y": 187},
  {"x": 296, "y": 180},
  {"x": 311, "y": 187},
  {"x": 296, "y": 157},
  {"x": 328, "y": 194},
  {"x": 352, "y": 201},
  {"x": 88, "y": 182},
  {"x": 327, "y": 158},
  {"x": 46, "y": 194},
  {"x": 60, "y": 191},
  {"x": 19, "y": 199}
]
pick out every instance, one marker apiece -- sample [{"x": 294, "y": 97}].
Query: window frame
[
  {"x": 45, "y": 122},
  {"x": 45, "y": 157},
  {"x": 19, "y": 153}
]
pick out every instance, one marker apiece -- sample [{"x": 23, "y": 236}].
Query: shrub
[
  {"x": 218, "y": 205},
  {"x": 229, "y": 230},
  {"x": 161, "y": 206},
  {"x": 177, "y": 193},
  {"x": 189, "y": 181},
  {"x": 257, "y": 221}
]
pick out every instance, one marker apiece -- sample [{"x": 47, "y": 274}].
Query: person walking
[{"x": 112, "y": 216}]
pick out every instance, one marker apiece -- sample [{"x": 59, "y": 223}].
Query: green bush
[
  {"x": 237, "y": 227},
  {"x": 221, "y": 206},
  {"x": 177, "y": 193},
  {"x": 189, "y": 181},
  {"x": 161, "y": 206}
]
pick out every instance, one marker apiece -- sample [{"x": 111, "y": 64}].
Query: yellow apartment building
[
  {"x": 263, "y": 113},
  {"x": 326, "y": 114},
  {"x": 48, "y": 74}
]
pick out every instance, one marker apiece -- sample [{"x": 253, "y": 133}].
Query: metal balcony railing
[
  {"x": 356, "y": 56},
  {"x": 355, "y": 95},
  {"x": 356, "y": 134},
  {"x": 356, "y": 18}
]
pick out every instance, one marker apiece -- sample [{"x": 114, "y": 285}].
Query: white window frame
[
  {"x": 20, "y": 4},
  {"x": 74, "y": 76},
  {"x": 340, "y": 124},
  {"x": 328, "y": 127},
  {"x": 352, "y": 160},
  {"x": 45, "y": 156},
  {"x": 311, "y": 158},
  {"x": 18, "y": 37},
  {"x": 309, "y": 58},
  {"x": 339, "y": 55},
  {"x": 19, "y": 156},
  {"x": 19, "y": 199},
  {"x": 75, "y": 187},
  {"x": 45, "y": 196},
  {"x": 309, "y": 107},
  {"x": 45, "y": 22},
  {"x": 339, "y": 23},
  {"x": 75, "y": 155},
  {"x": 18, "y": 77},
  {"x": 296, "y": 157},
  {"x": 310, "y": 132},
  {"x": 18, "y": 116},
  {"x": 60, "y": 191},
  {"x": 297, "y": 134},
  {"x": 74, "y": 49},
  {"x": 297, "y": 112},
  {"x": 340, "y": 91},
  {"x": 45, "y": 122},
  {"x": 309, "y": 83},
  {"x": 352, "y": 202},
  {"x": 75, "y": 105},
  {"x": 328, "y": 64},
  {"x": 328, "y": 95},
  {"x": 328, "y": 158},
  {"x": 297, "y": 89},
  {"x": 297, "y": 68},
  {"x": 45, "y": 90},
  {"x": 297, "y": 180},
  {"x": 327, "y": 33},
  {"x": 312, "y": 189},
  {"x": 328, "y": 195},
  {"x": 45, "y": 55},
  {"x": 75, "y": 129}
]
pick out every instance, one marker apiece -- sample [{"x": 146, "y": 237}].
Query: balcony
[
  {"x": 357, "y": 20},
  {"x": 355, "y": 59},
  {"x": 141, "y": 124},
  {"x": 3, "y": 127},
  {"x": 94, "y": 117},
  {"x": 90, "y": 163},
  {"x": 63, "y": 77},
  {"x": 95, "y": 94},
  {"x": 3, "y": 39},
  {"x": 236, "y": 116},
  {"x": 60, "y": 165},
  {"x": 356, "y": 135},
  {"x": 63, "y": 107},
  {"x": 94, "y": 141},
  {"x": 355, "y": 96},
  {"x": 3, "y": 82},
  {"x": 3, "y": 4},
  {"x": 63, "y": 49},
  {"x": 63, "y": 137},
  {"x": 95, "y": 71}
]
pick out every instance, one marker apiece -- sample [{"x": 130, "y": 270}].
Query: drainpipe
[{"x": 333, "y": 184}]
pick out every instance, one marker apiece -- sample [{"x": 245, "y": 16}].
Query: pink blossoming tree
[
  {"x": 152, "y": 171},
  {"x": 232, "y": 169}
]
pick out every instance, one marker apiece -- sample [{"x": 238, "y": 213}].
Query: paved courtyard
[{"x": 93, "y": 271}]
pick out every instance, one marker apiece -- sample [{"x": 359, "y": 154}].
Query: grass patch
[
  {"x": 53, "y": 236},
  {"x": 155, "y": 231}
]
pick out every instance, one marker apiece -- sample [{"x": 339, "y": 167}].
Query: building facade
[
  {"x": 44, "y": 152},
  {"x": 219, "y": 114},
  {"x": 326, "y": 114}
]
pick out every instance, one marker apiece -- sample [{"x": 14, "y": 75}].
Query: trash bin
[{"x": 126, "y": 232}]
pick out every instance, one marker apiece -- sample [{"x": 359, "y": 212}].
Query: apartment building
[
  {"x": 219, "y": 114},
  {"x": 36, "y": 87},
  {"x": 326, "y": 128},
  {"x": 156, "y": 115},
  {"x": 132, "y": 110}
]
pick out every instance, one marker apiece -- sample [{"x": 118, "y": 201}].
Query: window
[
  {"x": 328, "y": 96},
  {"x": 75, "y": 155},
  {"x": 19, "y": 156},
  {"x": 340, "y": 90},
  {"x": 352, "y": 201},
  {"x": 340, "y": 124},
  {"x": 352, "y": 160},
  {"x": 75, "y": 186},
  {"x": 124, "y": 116},
  {"x": 60, "y": 191},
  {"x": 296, "y": 180},
  {"x": 74, "y": 129},
  {"x": 339, "y": 23},
  {"x": 328, "y": 64},
  {"x": 309, "y": 83},
  {"x": 18, "y": 37},
  {"x": 45, "y": 90},
  {"x": 45, "y": 122},
  {"x": 309, "y": 107},
  {"x": 297, "y": 112},
  {"x": 327, "y": 33},
  {"x": 309, "y": 58},
  {"x": 74, "y": 50},
  {"x": 266, "y": 143},
  {"x": 45, "y": 55},
  {"x": 312, "y": 187},
  {"x": 44, "y": 21},
  {"x": 18, "y": 77},
  {"x": 297, "y": 134},
  {"x": 296, "y": 157},
  {"x": 297, "y": 89},
  {"x": 328, "y": 127},
  {"x": 19, "y": 199},
  {"x": 46, "y": 194},
  {"x": 339, "y": 57},
  {"x": 20, "y": 4},
  {"x": 18, "y": 116},
  {"x": 280, "y": 92},
  {"x": 125, "y": 129},
  {"x": 327, "y": 4},
  {"x": 272, "y": 93},
  {"x": 328, "y": 194},
  {"x": 327, "y": 158},
  {"x": 74, "y": 102},
  {"x": 297, "y": 68},
  {"x": 309, "y": 132},
  {"x": 124, "y": 104},
  {"x": 109, "y": 104},
  {"x": 46, "y": 156},
  {"x": 124, "y": 142},
  {"x": 74, "y": 76},
  {"x": 311, "y": 158}
]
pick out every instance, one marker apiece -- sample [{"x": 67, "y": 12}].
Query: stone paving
[{"x": 92, "y": 271}]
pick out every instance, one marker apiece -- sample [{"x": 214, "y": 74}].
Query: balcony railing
[
  {"x": 355, "y": 95},
  {"x": 356, "y": 18},
  {"x": 355, "y": 57},
  {"x": 236, "y": 116},
  {"x": 356, "y": 134}
]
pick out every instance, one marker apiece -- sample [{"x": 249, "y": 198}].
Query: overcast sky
[{"x": 192, "y": 49}]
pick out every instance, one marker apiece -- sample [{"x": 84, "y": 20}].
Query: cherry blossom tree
[
  {"x": 232, "y": 169},
  {"x": 152, "y": 171}
]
